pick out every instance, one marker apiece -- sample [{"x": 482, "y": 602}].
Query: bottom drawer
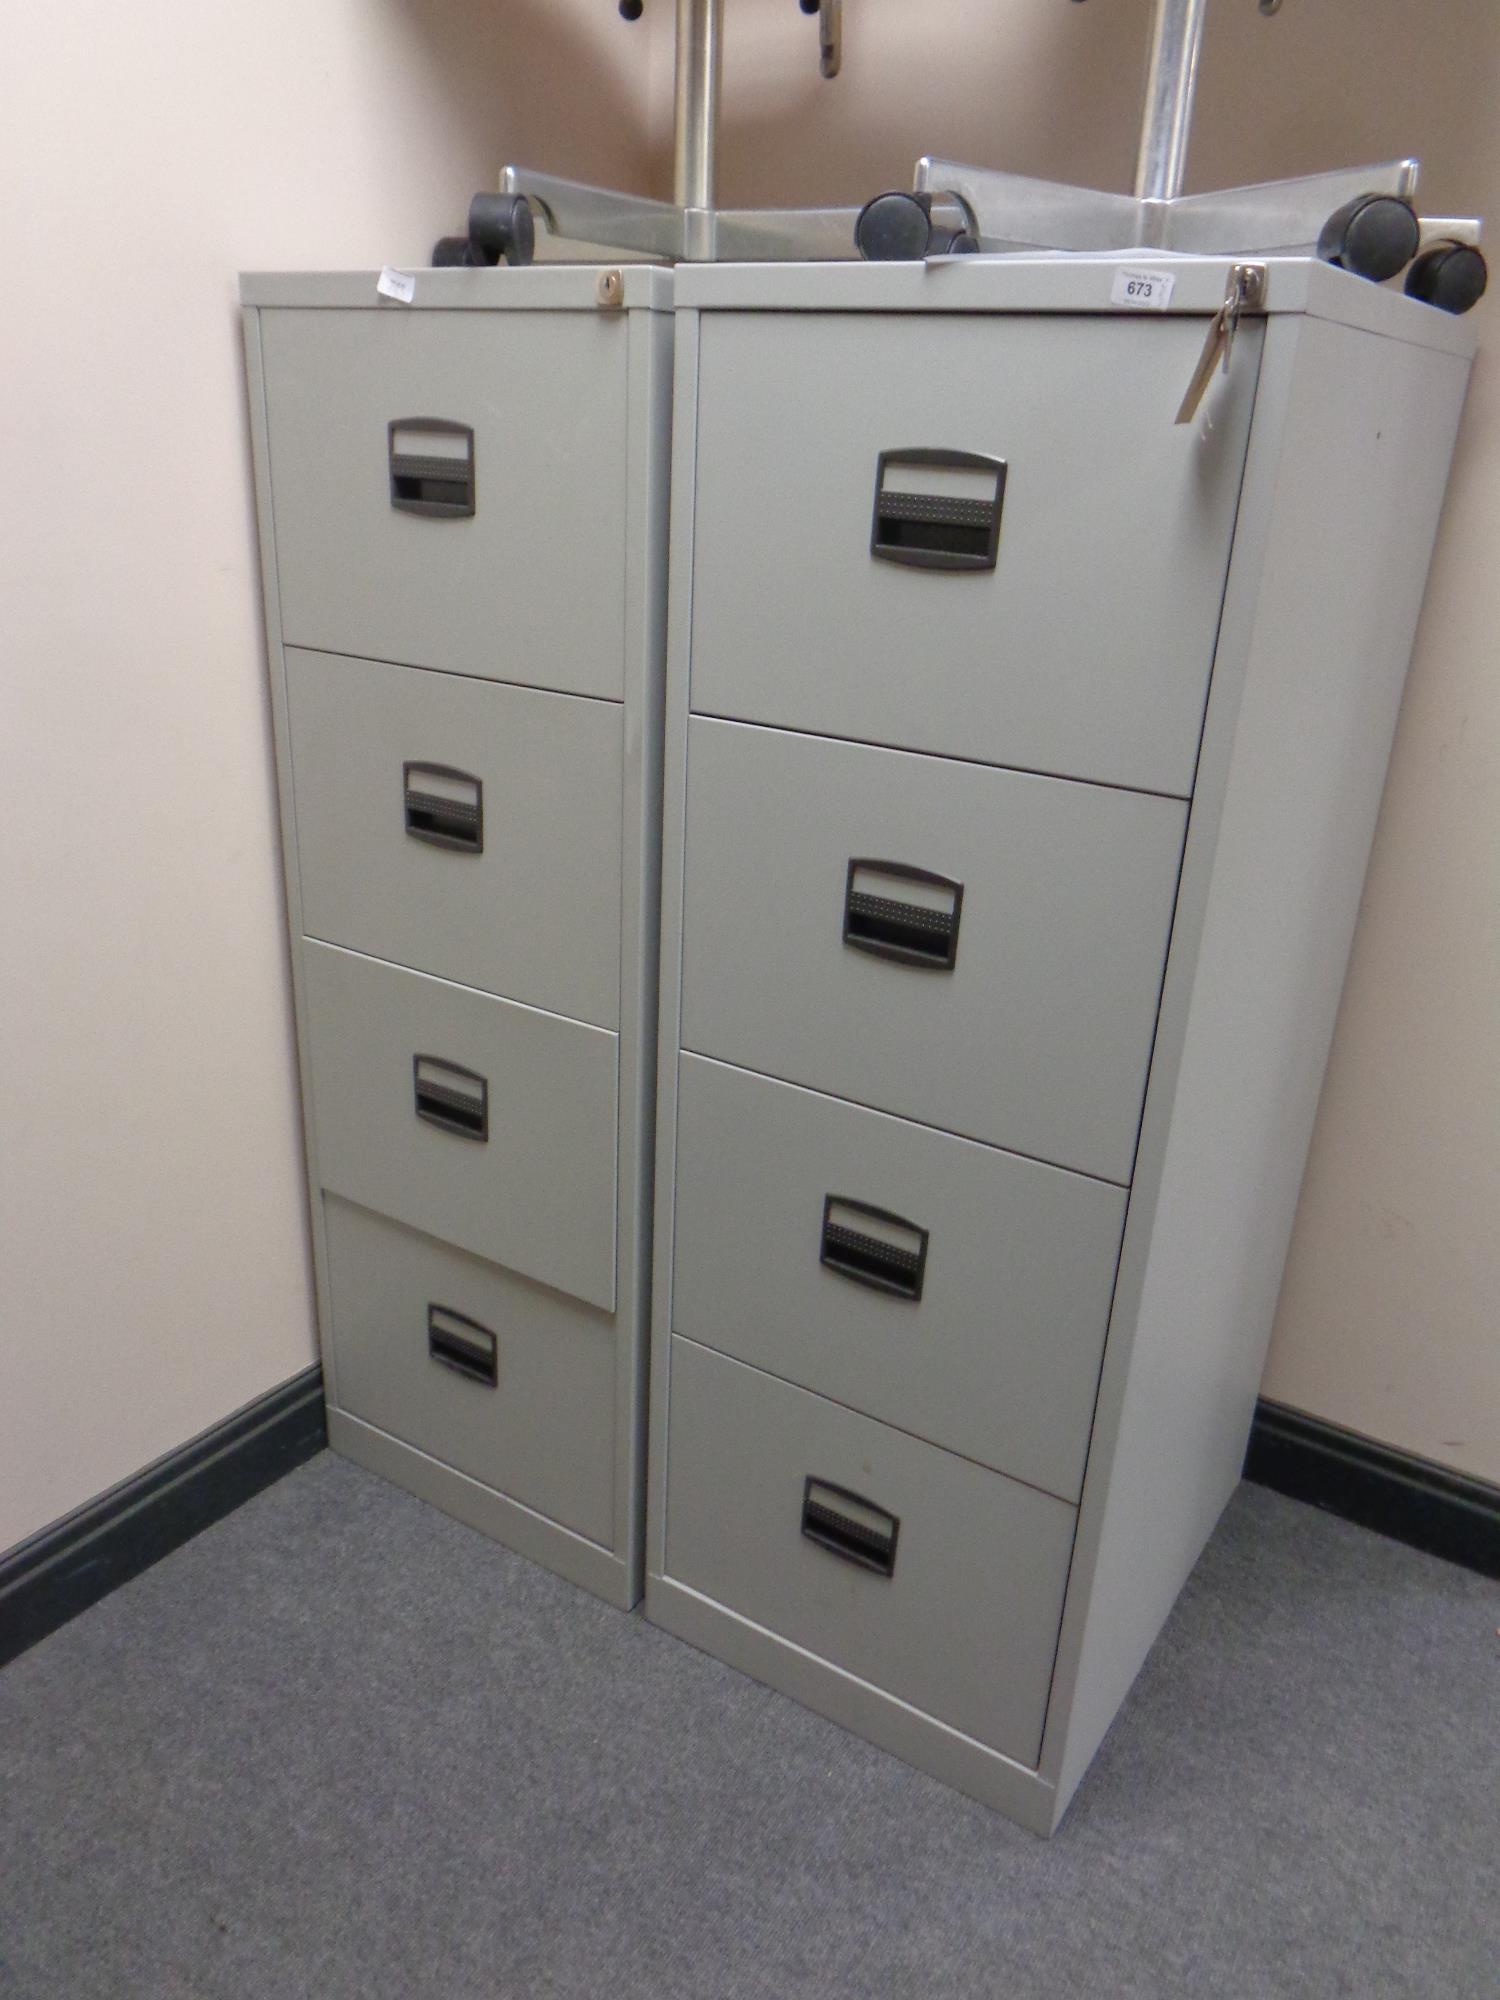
[
  {"x": 919, "y": 1572},
  {"x": 505, "y": 1381}
]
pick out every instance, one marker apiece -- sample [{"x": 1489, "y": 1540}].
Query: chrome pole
[
  {"x": 700, "y": 41},
  {"x": 1175, "y": 37}
]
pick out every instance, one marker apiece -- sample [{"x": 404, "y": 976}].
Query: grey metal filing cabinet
[
  {"x": 1023, "y": 754},
  {"x": 463, "y": 511}
]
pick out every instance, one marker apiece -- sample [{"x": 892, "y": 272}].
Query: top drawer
[
  {"x": 1084, "y": 651},
  {"x": 448, "y": 489}
]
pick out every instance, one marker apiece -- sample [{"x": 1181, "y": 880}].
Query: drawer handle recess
[
  {"x": 452, "y": 1097},
  {"x": 443, "y": 806},
  {"x": 938, "y": 509},
  {"x": 431, "y": 467},
  {"x": 848, "y": 1525},
  {"x": 906, "y": 914},
  {"x": 463, "y": 1345},
  {"x": 873, "y": 1247}
]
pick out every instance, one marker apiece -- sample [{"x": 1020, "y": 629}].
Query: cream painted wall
[
  {"x": 1018, "y": 83},
  {"x": 150, "y": 1176},
  {"x": 1389, "y": 1320},
  {"x": 1390, "y": 1314}
]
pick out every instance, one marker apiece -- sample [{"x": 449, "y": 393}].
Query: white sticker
[
  {"x": 1146, "y": 291},
  {"x": 403, "y": 286}
]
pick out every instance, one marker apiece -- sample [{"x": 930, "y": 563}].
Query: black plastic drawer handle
[
  {"x": 463, "y": 1345},
  {"x": 906, "y": 914},
  {"x": 432, "y": 467},
  {"x": 457, "y": 1099},
  {"x": 443, "y": 806},
  {"x": 848, "y": 1525},
  {"x": 873, "y": 1247},
  {"x": 938, "y": 509}
]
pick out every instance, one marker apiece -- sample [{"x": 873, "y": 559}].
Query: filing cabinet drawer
[
  {"x": 914, "y": 1570},
  {"x": 463, "y": 828},
  {"x": 953, "y": 1290},
  {"x": 1084, "y": 651},
  {"x": 448, "y": 489},
  {"x": 482, "y": 1122},
  {"x": 1004, "y": 987},
  {"x": 506, "y": 1381}
]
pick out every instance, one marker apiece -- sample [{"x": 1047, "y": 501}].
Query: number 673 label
[{"x": 1144, "y": 291}]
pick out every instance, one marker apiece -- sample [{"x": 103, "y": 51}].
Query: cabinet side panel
[
  {"x": 260, "y": 450},
  {"x": 645, "y": 501},
  {"x": 674, "y": 808},
  {"x": 1349, "y": 456}
]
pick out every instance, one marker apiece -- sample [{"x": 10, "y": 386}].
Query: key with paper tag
[{"x": 1246, "y": 289}]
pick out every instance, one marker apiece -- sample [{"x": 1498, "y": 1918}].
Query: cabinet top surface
[
  {"x": 1054, "y": 282},
  {"x": 1065, "y": 282},
  {"x": 536, "y": 287}
]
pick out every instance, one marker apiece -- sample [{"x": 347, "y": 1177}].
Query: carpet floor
[{"x": 341, "y": 1746}]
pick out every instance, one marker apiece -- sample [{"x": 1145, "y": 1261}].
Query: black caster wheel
[
  {"x": 1374, "y": 236},
  {"x": 898, "y": 227},
  {"x": 449, "y": 251},
  {"x": 502, "y": 226},
  {"x": 1449, "y": 275}
]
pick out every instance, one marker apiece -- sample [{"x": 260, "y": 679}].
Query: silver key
[{"x": 1246, "y": 289}]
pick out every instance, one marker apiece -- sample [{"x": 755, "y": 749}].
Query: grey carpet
[{"x": 341, "y": 1746}]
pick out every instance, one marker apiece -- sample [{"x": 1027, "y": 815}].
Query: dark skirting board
[
  {"x": 1397, "y": 1494},
  {"x": 63, "y": 1570}
]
